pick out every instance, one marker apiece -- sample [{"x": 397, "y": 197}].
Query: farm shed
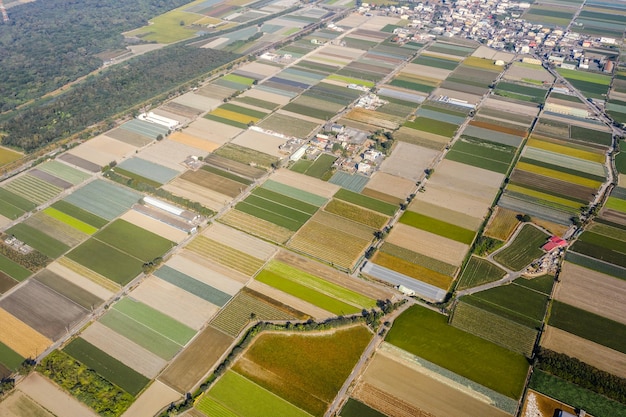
[
  {"x": 159, "y": 120},
  {"x": 553, "y": 243}
]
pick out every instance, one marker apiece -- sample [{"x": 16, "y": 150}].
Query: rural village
[{"x": 312, "y": 209}]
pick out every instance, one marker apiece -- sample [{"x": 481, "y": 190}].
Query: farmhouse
[{"x": 553, "y": 243}]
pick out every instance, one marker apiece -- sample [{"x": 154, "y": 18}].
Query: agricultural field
[
  {"x": 288, "y": 125},
  {"x": 7, "y": 156},
  {"x": 260, "y": 141},
  {"x": 366, "y": 202},
  {"x": 590, "y": 84},
  {"x": 246, "y": 156},
  {"x": 465, "y": 354},
  {"x": 154, "y": 173},
  {"x": 103, "y": 199},
  {"x": 438, "y": 227},
  {"x": 388, "y": 188},
  {"x": 602, "y": 247},
  {"x": 355, "y": 213},
  {"x": 525, "y": 248},
  {"x": 133, "y": 240},
  {"x": 409, "y": 161},
  {"x": 479, "y": 271},
  {"x": 482, "y": 154},
  {"x": 339, "y": 350},
  {"x": 13, "y": 205},
  {"x": 33, "y": 188},
  {"x": 193, "y": 286}
]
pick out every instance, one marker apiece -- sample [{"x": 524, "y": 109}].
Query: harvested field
[
  {"x": 152, "y": 225},
  {"x": 152, "y": 400},
  {"x": 18, "y": 336},
  {"x": 409, "y": 161},
  {"x": 169, "y": 153},
  {"x": 238, "y": 168},
  {"x": 592, "y": 291},
  {"x": 67, "y": 289},
  {"x": 191, "y": 366},
  {"x": 197, "y": 101},
  {"x": 303, "y": 182},
  {"x": 129, "y": 353},
  {"x": 214, "y": 182},
  {"x": 502, "y": 224},
  {"x": 451, "y": 216},
  {"x": 425, "y": 390},
  {"x": 356, "y": 213},
  {"x": 594, "y": 354},
  {"x": 194, "y": 192},
  {"x": 391, "y": 185},
  {"x": 175, "y": 302},
  {"x": 466, "y": 178},
  {"x": 80, "y": 280},
  {"x": 46, "y": 393},
  {"x": 18, "y": 404},
  {"x": 211, "y": 131},
  {"x": 256, "y": 226},
  {"x": 43, "y": 309},
  {"x": 212, "y": 274},
  {"x": 545, "y": 406},
  {"x": 93, "y": 276},
  {"x": 195, "y": 142},
  {"x": 240, "y": 241},
  {"x": 378, "y": 399},
  {"x": 261, "y": 142},
  {"x": 225, "y": 255},
  {"x": 411, "y": 270},
  {"x": 428, "y": 244}
]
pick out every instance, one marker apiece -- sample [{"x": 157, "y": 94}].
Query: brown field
[
  {"x": 538, "y": 405},
  {"x": 214, "y": 182},
  {"x": 52, "y": 398},
  {"x": 352, "y": 20},
  {"x": 412, "y": 270},
  {"x": 107, "y": 145},
  {"x": 163, "y": 112},
  {"x": 421, "y": 138},
  {"x": 191, "y": 366},
  {"x": 613, "y": 216},
  {"x": 554, "y": 185},
  {"x": 57, "y": 229},
  {"x": 448, "y": 215},
  {"x": 203, "y": 274},
  {"x": 382, "y": 196},
  {"x": 502, "y": 224},
  {"x": 426, "y": 390},
  {"x": 593, "y": 291},
  {"x": 212, "y": 131},
  {"x": 43, "y": 309},
  {"x": 95, "y": 156},
  {"x": 428, "y": 244},
  {"x": 128, "y": 137},
  {"x": 387, "y": 403},
  {"x": 129, "y": 353},
  {"x": 601, "y": 357},
  {"x": 438, "y": 73},
  {"x": 289, "y": 300},
  {"x": 470, "y": 98},
  {"x": 359, "y": 231},
  {"x": 154, "y": 226},
  {"x": 497, "y": 128},
  {"x": 81, "y": 281},
  {"x": 193, "y": 141},
  {"x": 332, "y": 275},
  {"x": 184, "y": 110},
  {"x": 175, "y": 302},
  {"x": 304, "y": 182},
  {"x": 18, "y": 404},
  {"x": 392, "y": 185},
  {"x": 197, "y": 101},
  {"x": 240, "y": 241},
  {"x": 215, "y": 91},
  {"x": 517, "y": 108},
  {"x": 466, "y": 178},
  {"x": 255, "y": 226},
  {"x": 488, "y": 53},
  {"x": 4, "y": 221},
  {"x": 153, "y": 399},
  {"x": 213, "y": 266},
  {"x": 375, "y": 118},
  {"x": 553, "y": 228},
  {"x": 96, "y": 278},
  {"x": 261, "y": 142},
  {"x": 409, "y": 161},
  {"x": 169, "y": 153},
  {"x": 20, "y": 337},
  {"x": 454, "y": 200},
  {"x": 259, "y": 68},
  {"x": 208, "y": 198}
]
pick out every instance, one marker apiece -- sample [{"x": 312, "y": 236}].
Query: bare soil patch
[
  {"x": 169, "y": 153},
  {"x": 601, "y": 357},
  {"x": 428, "y": 244},
  {"x": 260, "y": 142},
  {"x": 409, "y": 161},
  {"x": 197, "y": 101},
  {"x": 46, "y": 393},
  {"x": 303, "y": 182},
  {"x": 18, "y": 404},
  {"x": 208, "y": 198},
  {"x": 390, "y": 184},
  {"x": 81, "y": 281},
  {"x": 447, "y": 198},
  {"x": 212, "y": 131},
  {"x": 203, "y": 274},
  {"x": 154, "y": 226},
  {"x": 538, "y": 405},
  {"x": 157, "y": 396},
  {"x": 240, "y": 241}
]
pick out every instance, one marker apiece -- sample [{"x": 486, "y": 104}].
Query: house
[{"x": 553, "y": 243}]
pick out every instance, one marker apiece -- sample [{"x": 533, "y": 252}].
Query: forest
[
  {"x": 47, "y": 44},
  {"x": 113, "y": 91}
]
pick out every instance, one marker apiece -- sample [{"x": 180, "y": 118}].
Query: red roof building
[{"x": 553, "y": 243}]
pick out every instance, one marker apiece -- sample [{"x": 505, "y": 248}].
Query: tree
[{"x": 525, "y": 218}]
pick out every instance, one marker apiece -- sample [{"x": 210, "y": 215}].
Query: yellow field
[
  {"x": 544, "y": 196},
  {"x": 552, "y": 173},
  {"x": 413, "y": 270},
  {"x": 193, "y": 141},
  {"x": 20, "y": 337},
  {"x": 486, "y": 64},
  {"x": 8, "y": 156},
  {"x": 234, "y": 116},
  {"x": 502, "y": 224},
  {"x": 566, "y": 150},
  {"x": 166, "y": 28}
]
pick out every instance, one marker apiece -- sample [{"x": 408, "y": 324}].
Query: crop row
[{"x": 226, "y": 255}]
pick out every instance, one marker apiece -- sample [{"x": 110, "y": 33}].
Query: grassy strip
[
  {"x": 438, "y": 227},
  {"x": 71, "y": 221},
  {"x": 38, "y": 240}
]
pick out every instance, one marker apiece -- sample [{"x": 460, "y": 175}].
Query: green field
[
  {"x": 226, "y": 174},
  {"x": 45, "y": 244},
  {"x": 247, "y": 399},
  {"x": 13, "y": 205},
  {"x": 585, "y": 76},
  {"x": 594, "y": 404},
  {"x": 301, "y": 166},
  {"x": 517, "y": 299},
  {"x": 321, "y": 166},
  {"x": 425, "y": 333},
  {"x": 589, "y": 326},
  {"x": 306, "y": 293},
  {"x": 134, "y": 240},
  {"x": 366, "y": 202},
  {"x": 245, "y": 155},
  {"x": 591, "y": 135},
  {"x": 106, "y": 261},
  {"x": 595, "y": 264},
  {"x": 80, "y": 214},
  {"x": 167, "y": 27},
  {"x": 71, "y": 221},
  {"x": 354, "y": 408},
  {"x": 482, "y": 154},
  {"x": 350, "y": 80},
  {"x": 479, "y": 271},
  {"x": 307, "y": 369},
  {"x": 10, "y": 358},
  {"x": 524, "y": 249},
  {"x": 432, "y": 126},
  {"x": 435, "y": 62},
  {"x": 107, "y": 366},
  {"x": 438, "y": 227},
  {"x": 15, "y": 270}
]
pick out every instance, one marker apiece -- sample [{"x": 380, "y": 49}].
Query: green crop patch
[
  {"x": 80, "y": 214},
  {"x": 107, "y": 366},
  {"x": 71, "y": 221},
  {"x": 9, "y": 358},
  {"x": 425, "y": 333},
  {"x": 243, "y": 110},
  {"x": 134, "y": 240},
  {"x": 106, "y": 261},
  {"x": 479, "y": 271},
  {"x": 38, "y": 240},
  {"x": 13, "y": 269},
  {"x": 308, "y": 370},
  {"x": 366, "y": 202},
  {"x": 315, "y": 297},
  {"x": 516, "y": 298},
  {"x": 435, "y": 62},
  {"x": 16, "y": 200},
  {"x": 321, "y": 166},
  {"x": 285, "y": 200},
  {"x": 226, "y": 174},
  {"x": 591, "y": 135},
  {"x": 354, "y": 408},
  {"x": 589, "y": 326},
  {"x": 438, "y": 227},
  {"x": 525, "y": 248},
  {"x": 432, "y": 126},
  {"x": 155, "y": 320}
]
